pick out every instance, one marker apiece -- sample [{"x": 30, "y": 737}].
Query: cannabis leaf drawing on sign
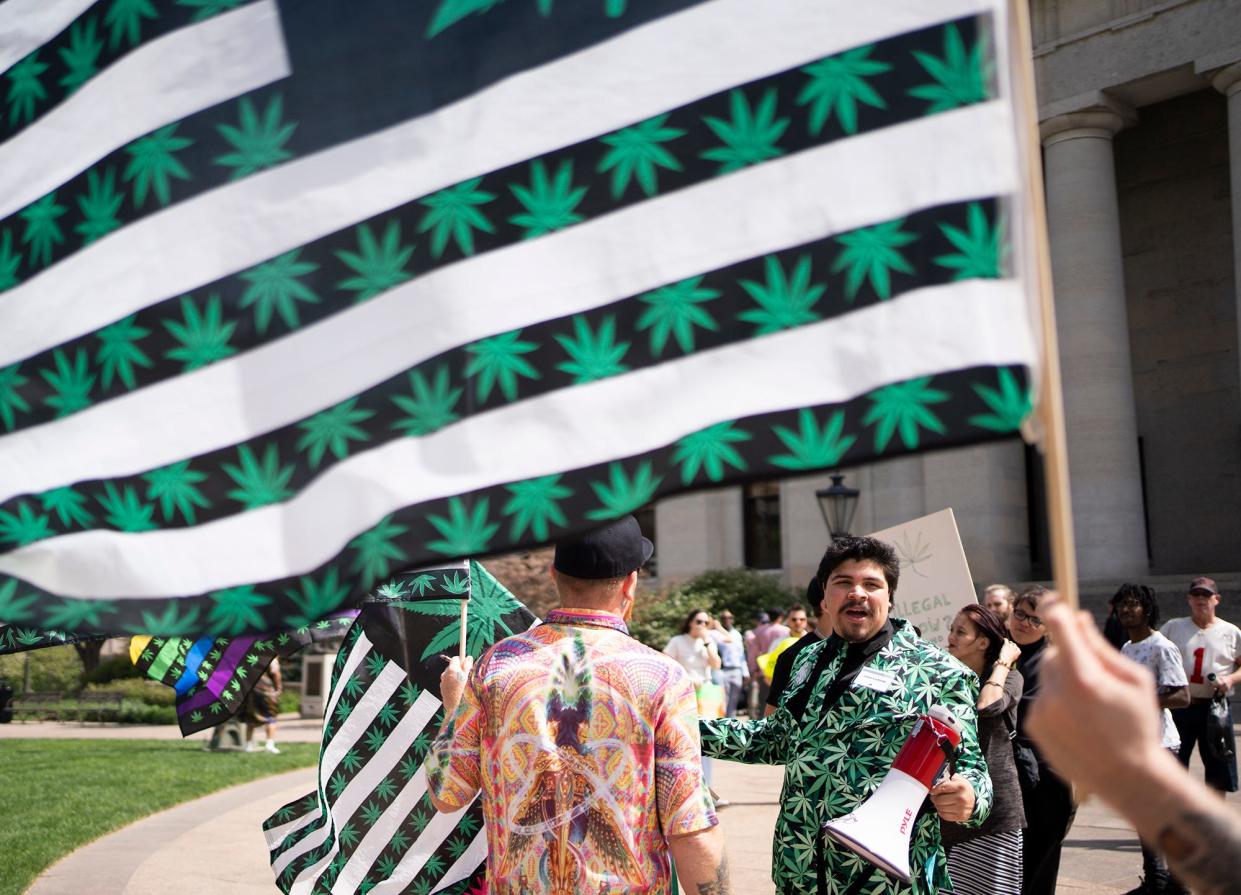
[{"x": 913, "y": 550}]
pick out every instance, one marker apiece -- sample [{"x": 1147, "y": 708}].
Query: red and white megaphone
[{"x": 880, "y": 829}]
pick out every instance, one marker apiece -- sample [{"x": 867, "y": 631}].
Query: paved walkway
[
  {"x": 213, "y": 846},
  {"x": 290, "y": 729}
]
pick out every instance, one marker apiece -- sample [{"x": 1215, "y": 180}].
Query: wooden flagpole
[{"x": 1051, "y": 398}]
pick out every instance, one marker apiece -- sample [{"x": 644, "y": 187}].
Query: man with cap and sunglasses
[
  {"x": 1211, "y": 650},
  {"x": 583, "y": 742}
]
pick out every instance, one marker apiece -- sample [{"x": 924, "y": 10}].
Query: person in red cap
[{"x": 1211, "y": 650}]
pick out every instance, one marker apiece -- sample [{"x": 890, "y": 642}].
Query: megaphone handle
[{"x": 950, "y": 753}]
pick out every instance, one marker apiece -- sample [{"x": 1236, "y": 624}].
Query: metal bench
[
  {"x": 38, "y": 706},
  {"x": 100, "y": 704}
]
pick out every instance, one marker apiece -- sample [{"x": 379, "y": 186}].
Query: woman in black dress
[
  {"x": 1048, "y": 798},
  {"x": 987, "y": 860}
]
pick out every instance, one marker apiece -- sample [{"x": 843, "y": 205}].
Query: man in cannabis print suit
[{"x": 849, "y": 706}]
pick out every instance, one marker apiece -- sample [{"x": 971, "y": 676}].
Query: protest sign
[{"x": 935, "y": 576}]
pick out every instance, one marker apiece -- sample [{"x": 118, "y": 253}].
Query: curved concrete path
[
  {"x": 210, "y": 846},
  {"x": 291, "y": 729},
  {"x": 214, "y": 845}
]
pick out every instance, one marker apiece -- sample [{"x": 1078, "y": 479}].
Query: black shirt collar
[{"x": 860, "y": 652}]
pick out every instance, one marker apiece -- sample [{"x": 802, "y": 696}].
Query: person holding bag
[
  {"x": 987, "y": 860},
  {"x": 1211, "y": 652},
  {"x": 694, "y": 648}
]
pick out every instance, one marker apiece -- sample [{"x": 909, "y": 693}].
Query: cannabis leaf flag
[
  {"x": 328, "y": 290},
  {"x": 15, "y": 639},
  {"x": 369, "y": 826}
]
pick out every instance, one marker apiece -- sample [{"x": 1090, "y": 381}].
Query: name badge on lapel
[{"x": 875, "y": 679}]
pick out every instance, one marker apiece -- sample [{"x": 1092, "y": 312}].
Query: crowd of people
[{"x": 592, "y": 752}]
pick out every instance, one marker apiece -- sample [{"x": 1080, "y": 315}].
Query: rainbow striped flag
[{"x": 214, "y": 675}]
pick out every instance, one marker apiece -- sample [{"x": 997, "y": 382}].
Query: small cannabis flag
[
  {"x": 370, "y": 825},
  {"x": 15, "y": 639},
  {"x": 326, "y": 290}
]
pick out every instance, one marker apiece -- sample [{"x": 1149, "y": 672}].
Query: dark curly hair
[
  {"x": 879, "y": 552},
  {"x": 1145, "y": 597}
]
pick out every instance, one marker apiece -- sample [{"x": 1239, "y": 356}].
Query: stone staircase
[{"x": 1170, "y": 591}]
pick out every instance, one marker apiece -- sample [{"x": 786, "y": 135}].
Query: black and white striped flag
[
  {"x": 299, "y": 293},
  {"x": 370, "y": 825}
]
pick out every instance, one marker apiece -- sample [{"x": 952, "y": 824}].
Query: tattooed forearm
[
  {"x": 1204, "y": 850},
  {"x": 720, "y": 885}
]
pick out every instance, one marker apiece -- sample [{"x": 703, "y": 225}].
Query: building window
[
  {"x": 761, "y": 518},
  {"x": 646, "y": 522}
]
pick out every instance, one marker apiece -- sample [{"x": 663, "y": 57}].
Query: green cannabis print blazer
[{"x": 834, "y": 760}]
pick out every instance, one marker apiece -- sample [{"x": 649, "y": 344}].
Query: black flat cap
[{"x": 612, "y": 551}]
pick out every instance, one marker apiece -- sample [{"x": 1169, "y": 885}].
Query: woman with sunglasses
[
  {"x": 694, "y": 648},
  {"x": 987, "y": 860},
  {"x": 1048, "y": 798}
]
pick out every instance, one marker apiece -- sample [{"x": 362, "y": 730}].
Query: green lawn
[{"x": 56, "y": 795}]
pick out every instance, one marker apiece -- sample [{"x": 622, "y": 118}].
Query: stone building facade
[{"x": 1140, "y": 120}]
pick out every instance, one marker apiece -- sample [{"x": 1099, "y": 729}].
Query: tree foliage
[
  {"x": 56, "y": 668},
  {"x": 658, "y": 614}
]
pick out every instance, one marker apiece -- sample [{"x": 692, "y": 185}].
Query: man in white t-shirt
[
  {"x": 1209, "y": 646},
  {"x": 1138, "y": 612}
]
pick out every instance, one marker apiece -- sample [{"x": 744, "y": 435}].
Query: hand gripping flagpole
[{"x": 1050, "y": 412}]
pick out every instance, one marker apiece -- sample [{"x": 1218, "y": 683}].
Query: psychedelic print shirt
[
  {"x": 834, "y": 760},
  {"x": 585, "y": 745}
]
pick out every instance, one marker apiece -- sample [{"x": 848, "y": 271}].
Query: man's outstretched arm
[{"x": 701, "y": 866}]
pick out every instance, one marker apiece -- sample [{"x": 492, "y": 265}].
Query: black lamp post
[{"x": 838, "y": 502}]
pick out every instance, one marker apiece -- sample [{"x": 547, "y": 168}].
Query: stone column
[
  {"x": 986, "y": 487},
  {"x": 1228, "y": 82},
  {"x": 1093, "y": 331}
]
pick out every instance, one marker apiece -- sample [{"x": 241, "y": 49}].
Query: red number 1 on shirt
[{"x": 1196, "y": 677}]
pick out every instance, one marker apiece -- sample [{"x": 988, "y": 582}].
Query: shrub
[
  {"x": 134, "y": 712},
  {"x": 658, "y": 616},
  {"x": 744, "y": 591},
  {"x": 56, "y": 668},
  {"x": 290, "y": 699},
  {"x": 139, "y": 690},
  {"x": 113, "y": 669}
]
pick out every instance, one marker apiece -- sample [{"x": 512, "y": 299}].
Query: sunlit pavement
[{"x": 215, "y": 845}]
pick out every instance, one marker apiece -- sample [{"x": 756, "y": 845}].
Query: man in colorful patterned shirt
[
  {"x": 850, "y": 703},
  {"x": 583, "y": 742}
]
